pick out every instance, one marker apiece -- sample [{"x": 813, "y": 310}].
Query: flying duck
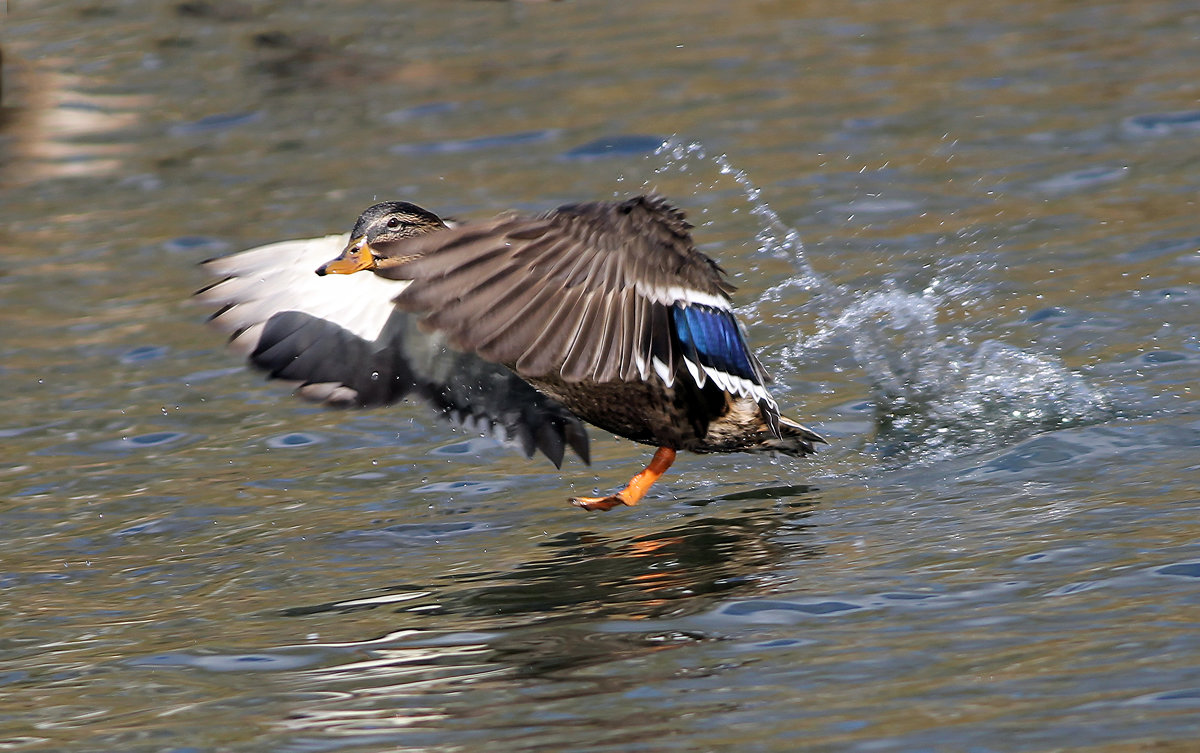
[{"x": 524, "y": 325}]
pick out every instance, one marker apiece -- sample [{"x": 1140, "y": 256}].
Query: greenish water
[{"x": 965, "y": 240}]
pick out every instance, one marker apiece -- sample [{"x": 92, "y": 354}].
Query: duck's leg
[{"x": 638, "y": 485}]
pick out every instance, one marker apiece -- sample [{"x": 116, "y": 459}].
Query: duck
[{"x": 525, "y": 325}]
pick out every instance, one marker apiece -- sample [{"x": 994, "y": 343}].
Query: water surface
[{"x": 965, "y": 240}]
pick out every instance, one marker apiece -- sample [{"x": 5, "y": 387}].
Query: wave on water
[{"x": 933, "y": 393}]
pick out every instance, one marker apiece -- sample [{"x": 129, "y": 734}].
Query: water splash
[
  {"x": 934, "y": 394},
  {"x": 774, "y": 236}
]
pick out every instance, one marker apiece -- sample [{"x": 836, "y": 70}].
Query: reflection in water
[
  {"x": 56, "y": 127},
  {"x": 638, "y": 578},
  {"x": 642, "y": 577},
  {"x": 547, "y": 628}
]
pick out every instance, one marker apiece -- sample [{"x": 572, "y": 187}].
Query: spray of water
[
  {"x": 774, "y": 236},
  {"x": 933, "y": 393}
]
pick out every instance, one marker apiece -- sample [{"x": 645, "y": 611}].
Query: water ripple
[{"x": 1162, "y": 123}]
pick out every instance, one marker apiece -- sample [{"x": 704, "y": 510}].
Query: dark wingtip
[
  {"x": 524, "y": 438},
  {"x": 577, "y": 438},
  {"x": 550, "y": 442},
  {"x": 220, "y": 311},
  {"x": 211, "y": 285}
]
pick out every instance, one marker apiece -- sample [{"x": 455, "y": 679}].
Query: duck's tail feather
[{"x": 796, "y": 439}]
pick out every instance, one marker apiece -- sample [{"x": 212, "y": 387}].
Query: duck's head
[{"x": 376, "y": 243}]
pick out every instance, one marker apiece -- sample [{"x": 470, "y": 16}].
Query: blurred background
[{"x": 965, "y": 241}]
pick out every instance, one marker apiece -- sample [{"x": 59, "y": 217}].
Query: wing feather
[
  {"x": 580, "y": 352},
  {"x": 551, "y": 345},
  {"x": 587, "y": 292},
  {"x": 340, "y": 340}
]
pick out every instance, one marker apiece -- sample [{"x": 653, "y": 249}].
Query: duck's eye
[{"x": 393, "y": 223}]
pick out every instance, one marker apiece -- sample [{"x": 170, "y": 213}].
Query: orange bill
[{"x": 357, "y": 257}]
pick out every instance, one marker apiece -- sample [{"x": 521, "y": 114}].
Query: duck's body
[{"x": 607, "y": 308}]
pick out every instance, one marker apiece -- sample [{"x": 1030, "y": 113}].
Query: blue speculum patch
[{"x": 714, "y": 337}]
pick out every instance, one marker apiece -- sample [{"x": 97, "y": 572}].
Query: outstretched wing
[
  {"x": 588, "y": 292},
  {"x": 340, "y": 340}
]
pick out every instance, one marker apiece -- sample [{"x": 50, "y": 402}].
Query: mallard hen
[{"x": 602, "y": 311}]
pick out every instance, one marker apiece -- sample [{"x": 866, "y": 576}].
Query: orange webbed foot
[
  {"x": 637, "y": 488},
  {"x": 603, "y": 504}
]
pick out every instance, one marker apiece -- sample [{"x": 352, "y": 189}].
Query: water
[{"x": 966, "y": 248}]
